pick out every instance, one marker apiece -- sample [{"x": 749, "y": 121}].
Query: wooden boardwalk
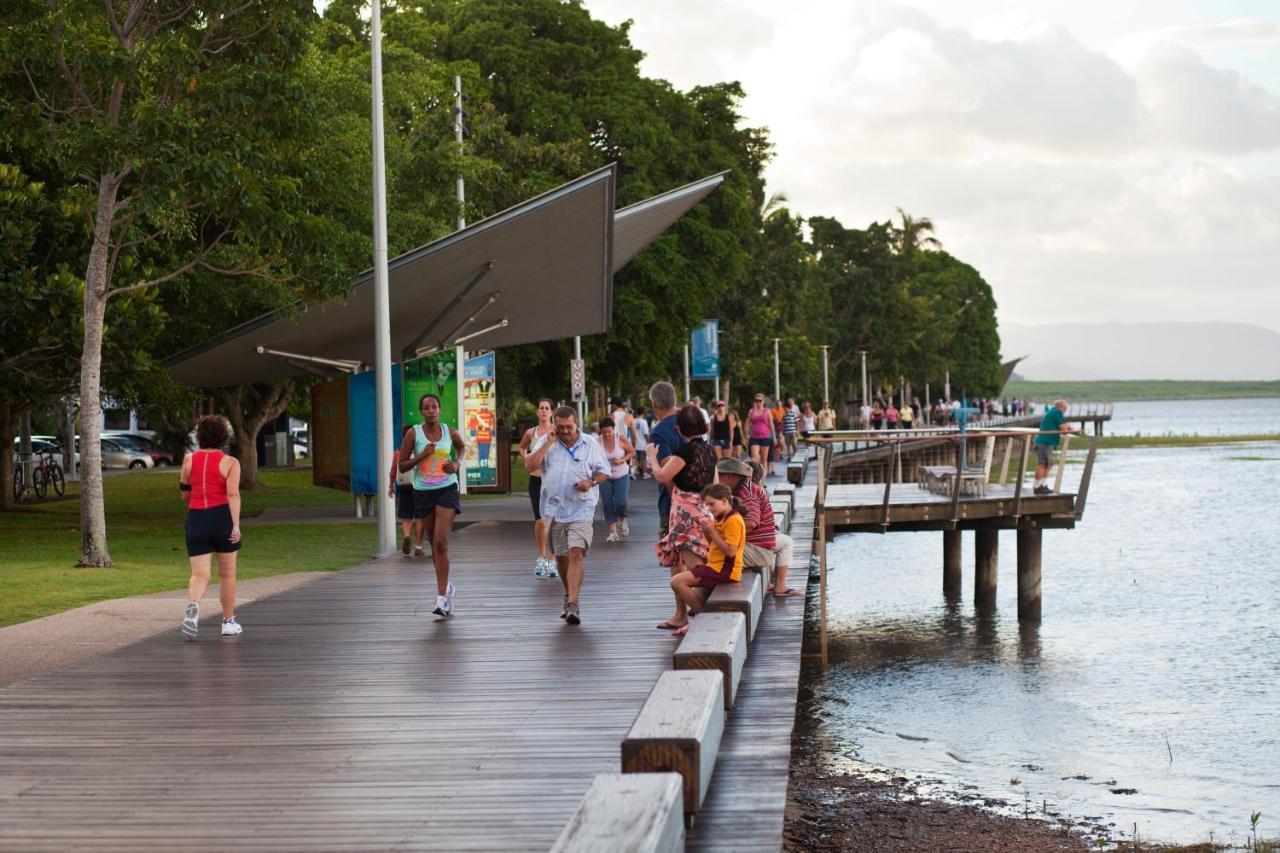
[{"x": 348, "y": 719}]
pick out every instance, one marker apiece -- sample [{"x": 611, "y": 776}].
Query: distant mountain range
[{"x": 1088, "y": 351}]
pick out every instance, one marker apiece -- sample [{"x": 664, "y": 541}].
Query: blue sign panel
[
  {"x": 362, "y": 407},
  {"x": 706, "y": 351}
]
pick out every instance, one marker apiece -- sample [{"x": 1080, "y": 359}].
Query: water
[
  {"x": 1149, "y": 695},
  {"x": 1196, "y": 417}
]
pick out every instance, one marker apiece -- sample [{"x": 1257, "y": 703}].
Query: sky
[{"x": 1096, "y": 161}]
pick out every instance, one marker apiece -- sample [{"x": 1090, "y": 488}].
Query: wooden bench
[
  {"x": 678, "y": 730},
  {"x": 788, "y": 499},
  {"x": 628, "y": 813},
  {"x": 940, "y": 480},
  {"x": 745, "y": 597},
  {"x": 781, "y": 515},
  {"x": 716, "y": 641},
  {"x": 795, "y": 473}
]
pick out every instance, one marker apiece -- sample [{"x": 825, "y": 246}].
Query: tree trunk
[
  {"x": 249, "y": 408},
  {"x": 93, "y": 513},
  {"x": 8, "y": 429}
]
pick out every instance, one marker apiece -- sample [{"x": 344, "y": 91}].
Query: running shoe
[
  {"x": 573, "y": 617},
  {"x": 444, "y": 603},
  {"x": 191, "y": 624},
  {"x": 540, "y": 567},
  {"x": 622, "y": 526},
  {"x": 231, "y": 628},
  {"x": 613, "y": 537},
  {"x": 551, "y": 569},
  {"x": 564, "y": 611}
]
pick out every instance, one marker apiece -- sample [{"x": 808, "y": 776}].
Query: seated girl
[{"x": 725, "y": 535}]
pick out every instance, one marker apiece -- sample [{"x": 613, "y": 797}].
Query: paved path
[{"x": 349, "y": 718}]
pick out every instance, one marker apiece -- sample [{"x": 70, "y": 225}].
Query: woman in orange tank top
[{"x": 210, "y": 485}]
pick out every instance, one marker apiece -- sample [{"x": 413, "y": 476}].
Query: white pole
[
  {"x": 457, "y": 135},
  {"x": 826, "y": 386},
  {"x": 580, "y": 404},
  {"x": 777, "y": 382},
  {"x": 459, "y": 367},
  {"x": 686, "y": 373},
  {"x": 381, "y": 310},
  {"x": 865, "y": 398},
  {"x": 946, "y": 386},
  {"x": 717, "y": 387}
]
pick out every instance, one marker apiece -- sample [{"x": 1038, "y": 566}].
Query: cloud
[
  {"x": 1233, "y": 33},
  {"x": 1192, "y": 104}
]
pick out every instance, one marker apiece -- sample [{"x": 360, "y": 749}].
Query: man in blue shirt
[
  {"x": 667, "y": 438},
  {"x": 572, "y": 467},
  {"x": 1052, "y": 426}
]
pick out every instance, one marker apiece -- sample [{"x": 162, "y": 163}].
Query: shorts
[
  {"x": 1044, "y": 455},
  {"x": 209, "y": 531},
  {"x": 425, "y": 501},
  {"x": 535, "y": 496},
  {"x": 710, "y": 578},
  {"x": 570, "y": 534},
  {"x": 722, "y": 443},
  {"x": 404, "y": 503},
  {"x": 761, "y": 442}
]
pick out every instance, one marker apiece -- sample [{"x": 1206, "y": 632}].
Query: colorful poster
[
  {"x": 706, "y": 351},
  {"x": 433, "y": 374},
  {"x": 480, "y": 420}
]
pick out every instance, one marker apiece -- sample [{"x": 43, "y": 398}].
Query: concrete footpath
[{"x": 63, "y": 639}]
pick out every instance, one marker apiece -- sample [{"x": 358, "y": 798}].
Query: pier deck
[{"x": 348, "y": 719}]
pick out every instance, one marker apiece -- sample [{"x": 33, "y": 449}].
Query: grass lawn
[
  {"x": 39, "y": 544},
  {"x": 1111, "y": 442},
  {"x": 1111, "y": 391}
]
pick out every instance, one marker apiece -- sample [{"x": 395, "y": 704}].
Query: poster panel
[
  {"x": 480, "y": 420},
  {"x": 329, "y": 442},
  {"x": 705, "y": 350},
  {"x": 362, "y": 429}
]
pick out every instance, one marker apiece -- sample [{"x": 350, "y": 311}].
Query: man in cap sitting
[{"x": 766, "y": 549}]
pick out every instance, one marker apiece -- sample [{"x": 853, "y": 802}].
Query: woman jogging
[
  {"x": 210, "y": 484},
  {"x": 534, "y": 438},
  {"x": 613, "y": 491},
  {"x": 434, "y": 452}
]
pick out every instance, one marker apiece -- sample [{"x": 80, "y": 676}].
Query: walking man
[
  {"x": 1052, "y": 426},
  {"x": 573, "y": 466}
]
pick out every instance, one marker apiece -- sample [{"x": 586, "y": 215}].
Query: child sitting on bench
[{"x": 724, "y": 564}]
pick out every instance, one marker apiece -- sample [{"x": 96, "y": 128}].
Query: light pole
[
  {"x": 777, "y": 382},
  {"x": 863, "y": 352},
  {"x": 686, "y": 373},
  {"x": 381, "y": 309},
  {"x": 826, "y": 389}
]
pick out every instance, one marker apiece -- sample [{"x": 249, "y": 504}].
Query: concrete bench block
[
  {"x": 716, "y": 641},
  {"x": 627, "y": 813},
  {"x": 678, "y": 730},
  {"x": 745, "y": 597}
]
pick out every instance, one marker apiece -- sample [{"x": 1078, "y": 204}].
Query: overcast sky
[{"x": 1096, "y": 160}]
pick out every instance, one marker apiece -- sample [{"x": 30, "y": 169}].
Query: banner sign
[
  {"x": 706, "y": 351},
  {"x": 434, "y": 374},
  {"x": 367, "y": 476},
  {"x": 480, "y": 419}
]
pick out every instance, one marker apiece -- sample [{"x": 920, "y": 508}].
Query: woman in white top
[
  {"x": 614, "y": 490},
  {"x": 533, "y": 439},
  {"x": 641, "y": 425}
]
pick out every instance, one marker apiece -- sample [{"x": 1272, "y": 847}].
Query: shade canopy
[{"x": 542, "y": 270}]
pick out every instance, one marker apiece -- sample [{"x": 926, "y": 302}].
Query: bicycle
[{"x": 45, "y": 472}]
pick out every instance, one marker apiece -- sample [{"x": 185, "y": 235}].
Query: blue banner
[
  {"x": 362, "y": 423},
  {"x": 705, "y": 350}
]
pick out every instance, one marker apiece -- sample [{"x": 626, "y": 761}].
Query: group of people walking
[{"x": 714, "y": 517}]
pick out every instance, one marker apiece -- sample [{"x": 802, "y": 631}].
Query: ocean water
[{"x": 1148, "y": 696}]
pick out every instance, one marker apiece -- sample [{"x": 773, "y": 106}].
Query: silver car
[{"x": 116, "y": 455}]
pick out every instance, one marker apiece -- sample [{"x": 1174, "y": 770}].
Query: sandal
[
  {"x": 681, "y": 631},
  {"x": 789, "y": 591},
  {"x": 668, "y": 625}
]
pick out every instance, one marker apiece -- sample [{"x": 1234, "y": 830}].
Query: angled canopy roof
[{"x": 541, "y": 270}]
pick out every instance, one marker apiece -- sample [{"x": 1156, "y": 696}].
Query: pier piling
[
  {"x": 986, "y": 551},
  {"x": 1029, "y": 540},
  {"x": 951, "y": 564}
]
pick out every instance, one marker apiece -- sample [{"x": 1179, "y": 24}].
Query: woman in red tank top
[{"x": 210, "y": 484}]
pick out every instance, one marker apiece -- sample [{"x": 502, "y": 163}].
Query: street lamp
[
  {"x": 826, "y": 390},
  {"x": 862, "y": 351},
  {"x": 777, "y": 383}
]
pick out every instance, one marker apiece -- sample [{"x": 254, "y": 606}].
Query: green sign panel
[{"x": 435, "y": 374}]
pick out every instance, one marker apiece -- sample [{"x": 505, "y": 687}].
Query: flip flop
[
  {"x": 681, "y": 631},
  {"x": 789, "y": 591},
  {"x": 668, "y": 625}
]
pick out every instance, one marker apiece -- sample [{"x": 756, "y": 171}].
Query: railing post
[
  {"x": 955, "y": 489},
  {"x": 1004, "y": 464},
  {"x": 1022, "y": 475},
  {"x": 888, "y": 484},
  {"x": 1082, "y": 493},
  {"x": 1062, "y": 462}
]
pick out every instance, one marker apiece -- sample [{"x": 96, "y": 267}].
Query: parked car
[
  {"x": 301, "y": 443},
  {"x": 40, "y": 444},
  {"x": 117, "y": 455},
  {"x": 136, "y": 441}
]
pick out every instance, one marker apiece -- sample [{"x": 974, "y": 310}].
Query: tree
[{"x": 181, "y": 124}]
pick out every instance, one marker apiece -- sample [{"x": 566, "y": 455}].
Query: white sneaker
[
  {"x": 191, "y": 622},
  {"x": 444, "y": 603},
  {"x": 231, "y": 628},
  {"x": 613, "y": 537},
  {"x": 540, "y": 567},
  {"x": 622, "y": 527},
  {"x": 551, "y": 569}
]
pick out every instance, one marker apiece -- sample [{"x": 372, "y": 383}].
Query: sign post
[{"x": 705, "y": 342}]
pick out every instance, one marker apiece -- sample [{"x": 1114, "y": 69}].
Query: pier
[{"x": 347, "y": 718}]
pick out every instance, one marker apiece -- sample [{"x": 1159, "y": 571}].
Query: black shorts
[
  {"x": 404, "y": 503},
  {"x": 425, "y": 501},
  {"x": 209, "y": 531},
  {"x": 535, "y": 496}
]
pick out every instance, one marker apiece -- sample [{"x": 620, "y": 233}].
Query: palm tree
[
  {"x": 911, "y": 236},
  {"x": 776, "y": 202}
]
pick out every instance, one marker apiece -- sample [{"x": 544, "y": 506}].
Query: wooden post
[
  {"x": 1029, "y": 539},
  {"x": 1062, "y": 463},
  {"x": 951, "y": 564},
  {"x": 1004, "y": 464},
  {"x": 822, "y": 580},
  {"x": 986, "y": 550}
]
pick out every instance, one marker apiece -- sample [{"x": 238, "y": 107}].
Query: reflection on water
[{"x": 1150, "y": 693}]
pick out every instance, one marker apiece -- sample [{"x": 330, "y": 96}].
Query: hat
[{"x": 730, "y": 465}]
